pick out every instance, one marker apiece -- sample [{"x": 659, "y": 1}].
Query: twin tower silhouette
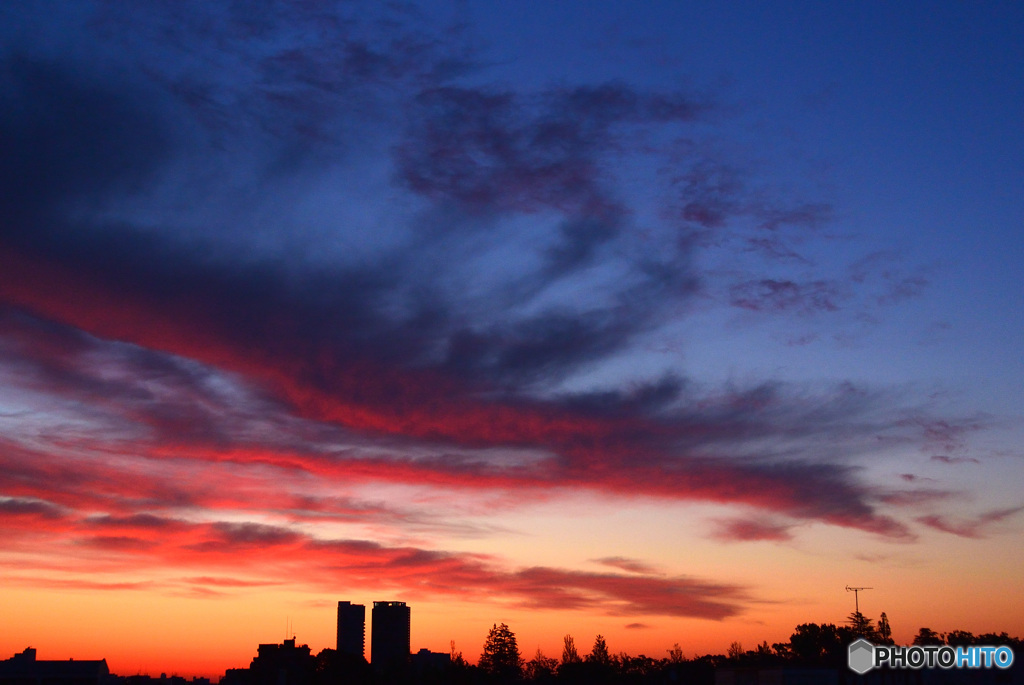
[{"x": 389, "y": 639}]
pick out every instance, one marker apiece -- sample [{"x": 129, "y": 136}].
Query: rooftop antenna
[{"x": 856, "y": 598}]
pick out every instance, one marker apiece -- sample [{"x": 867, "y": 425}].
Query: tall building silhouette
[
  {"x": 351, "y": 629},
  {"x": 389, "y": 637}
]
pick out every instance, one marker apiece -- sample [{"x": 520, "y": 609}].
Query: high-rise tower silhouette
[
  {"x": 389, "y": 636},
  {"x": 351, "y": 629}
]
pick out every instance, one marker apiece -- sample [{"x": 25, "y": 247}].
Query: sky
[{"x": 664, "y": 321}]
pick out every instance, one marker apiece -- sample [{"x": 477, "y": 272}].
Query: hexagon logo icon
[{"x": 861, "y": 656}]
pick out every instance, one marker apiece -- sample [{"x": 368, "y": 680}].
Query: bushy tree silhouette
[
  {"x": 332, "y": 667},
  {"x": 927, "y": 636},
  {"x": 501, "y": 659},
  {"x": 819, "y": 645},
  {"x": 861, "y": 626},
  {"x": 961, "y": 638}
]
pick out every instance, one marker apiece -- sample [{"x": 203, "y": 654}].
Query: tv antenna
[
  {"x": 856, "y": 598},
  {"x": 289, "y": 628}
]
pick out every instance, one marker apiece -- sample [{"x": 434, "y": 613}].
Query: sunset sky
[{"x": 661, "y": 320}]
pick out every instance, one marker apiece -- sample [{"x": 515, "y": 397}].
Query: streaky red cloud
[
  {"x": 66, "y": 479},
  {"x": 946, "y": 459},
  {"x": 76, "y": 583},
  {"x": 630, "y": 565},
  {"x": 421, "y": 403},
  {"x": 751, "y": 529},
  {"x": 969, "y": 528},
  {"x": 624, "y": 454},
  {"x": 706, "y": 480},
  {"x": 628, "y": 594},
  {"x": 28, "y": 508},
  {"x": 270, "y": 554},
  {"x": 229, "y": 582},
  {"x": 143, "y": 494}
]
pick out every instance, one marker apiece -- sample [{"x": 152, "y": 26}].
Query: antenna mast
[{"x": 856, "y": 598}]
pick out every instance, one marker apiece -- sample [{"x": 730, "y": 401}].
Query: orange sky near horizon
[
  {"x": 137, "y": 633},
  {"x": 163, "y": 626}
]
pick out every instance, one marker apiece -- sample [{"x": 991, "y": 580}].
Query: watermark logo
[{"x": 862, "y": 656}]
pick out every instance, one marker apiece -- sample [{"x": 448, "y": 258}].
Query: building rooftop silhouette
[
  {"x": 283, "y": 664},
  {"x": 25, "y": 669}
]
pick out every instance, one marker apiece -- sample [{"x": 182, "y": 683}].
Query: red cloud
[
  {"x": 969, "y": 528},
  {"x": 746, "y": 530},
  {"x": 268, "y": 553},
  {"x": 623, "y": 453}
]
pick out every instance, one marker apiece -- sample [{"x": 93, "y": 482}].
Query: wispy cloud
[
  {"x": 626, "y": 564},
  {"x": 975, "y": 527},
  {"x": 785, "y": 295},
  {"x": 269, "y": 553},
  {"x": 751, "y": 529},
  {"x": 672, "y": 435},
  {"x": 946, "y": 459}
]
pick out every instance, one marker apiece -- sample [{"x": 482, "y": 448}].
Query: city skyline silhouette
[{"x": 813, "y": 654}]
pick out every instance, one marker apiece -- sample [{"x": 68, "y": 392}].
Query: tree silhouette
[
  {"x": 571, "y": 670},
  {"x": 927, "y": 636},
  {"x": 817, "y": 644},
  {"x": 884, "y": 631},
  {"x": 599, "y": 654},
  {"x": 331, "y": 666},
  {"x": 861, "y": 626},
  {"x": 501, "y": 658},
  {"x": 541, "y": 668},
  {"x": 456, "y": 655},
  {"x": 961, "y": 638},
  {"x": 1016, "y": 643},
  {"x": 569, "y": 653}
]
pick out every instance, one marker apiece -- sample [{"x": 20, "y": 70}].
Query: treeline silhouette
[{"x": 812, "y": 646}]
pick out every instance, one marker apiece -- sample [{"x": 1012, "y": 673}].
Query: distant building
[
  {"x": 283, "y": 664},
  {"x": 352, "y": 629},
  {"x": 425, "y": 661},
  {"x": 164, "y": 679},
  {"x": 236, "y": 676},
  {"x": 390, "y": 635},
  {"x": 25, "y": 669}
]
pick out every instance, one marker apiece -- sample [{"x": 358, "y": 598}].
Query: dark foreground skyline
[{"x": 815, "y": 653}]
